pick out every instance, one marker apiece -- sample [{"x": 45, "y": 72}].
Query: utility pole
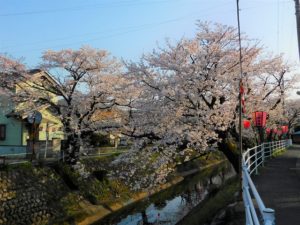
[
  {"x": 240, "y": 98},
  {"x": 283, "y": 92},
  {"x": 297, "y": 8}
]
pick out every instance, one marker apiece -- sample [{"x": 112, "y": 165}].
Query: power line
[
  {"x": 260, "y": 6},
  {"x": 76, "y": 36},
  {"x": 108, "y": 36},
  {"x": 297, "y": 9},
  {"x": 277, "y": 41},
  {"x": 266, "y": 2},
  {"x": 87, "y": 7},
  {"x": 290, "y": 46},
  {"x": 126, "y": 30}
]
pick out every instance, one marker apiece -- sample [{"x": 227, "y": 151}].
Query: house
[
  {"x": 16, "y": 129},
  {"x": 111, "y": 118}
]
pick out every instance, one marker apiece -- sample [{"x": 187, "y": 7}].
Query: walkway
[{"x": 279, "y": 186}]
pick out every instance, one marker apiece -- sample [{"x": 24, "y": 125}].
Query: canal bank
[
  {"x": 220, "y": 208},
  {"x": 104, "y": 211},
  {"x": 43, "y": 195},
  {"x": 100, "y": 211},
  {"x": 170, "y": 203}
]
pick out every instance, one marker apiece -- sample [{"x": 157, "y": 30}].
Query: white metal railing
[{"x": 251, "y": 160}]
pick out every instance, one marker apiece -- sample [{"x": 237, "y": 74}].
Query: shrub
[{"x": 95, "y": 190}]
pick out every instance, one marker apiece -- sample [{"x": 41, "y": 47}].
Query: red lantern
[
  {"x": 268, "y": 131},
  {"x": 279, "y": 132},
  {"x": 246, "y": 124},
  {"x": 284, "y": 129},
  {"x": 274, "y": 130},
  {"x": 259, "y": 119}
]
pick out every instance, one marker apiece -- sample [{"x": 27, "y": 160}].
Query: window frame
[{"x": 2, "y": 136}]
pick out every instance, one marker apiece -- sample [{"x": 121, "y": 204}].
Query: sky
[{"x": 129, "y": 28}]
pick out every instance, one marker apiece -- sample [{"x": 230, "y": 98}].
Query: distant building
[{"x": 112, "y": 118}]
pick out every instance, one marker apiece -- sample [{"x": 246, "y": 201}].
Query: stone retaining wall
[{"x": 24, "y": 197}]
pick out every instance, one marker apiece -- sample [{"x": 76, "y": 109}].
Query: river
[{"x": 175, "y": 203}]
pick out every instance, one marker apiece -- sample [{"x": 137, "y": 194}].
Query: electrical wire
[
  {"x": 114, "y": 34},
  {"x": 87, "y": 7},
  {"x": 277, "y": 39}
]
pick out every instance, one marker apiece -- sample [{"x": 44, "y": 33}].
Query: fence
[
  {"x": 12, "y": 149},
  {"x": 24, "y": 154},
  {"x": 251, "y": 160}
]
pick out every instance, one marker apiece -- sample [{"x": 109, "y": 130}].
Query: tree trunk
[
  {"x": 72, "y": 149},
  {"x": 228, "y": 146},
  {"x": 71, "y": 146},
  {"x": 231, "y": 153}
]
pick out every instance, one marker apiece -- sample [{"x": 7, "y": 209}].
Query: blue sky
[{"x": 127, "y": 28}]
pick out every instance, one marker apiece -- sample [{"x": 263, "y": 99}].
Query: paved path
[{"x": 279, "y": 186}]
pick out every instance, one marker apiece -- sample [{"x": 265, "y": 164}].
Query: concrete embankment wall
[{"x": 25, "y": 197}]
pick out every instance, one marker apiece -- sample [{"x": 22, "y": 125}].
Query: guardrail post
[
  {"x": 247, "y": 217},
  {"x": 268, "y": 149},
  {"x": 247, "y": 207},
  {"x": 245, "y": 186},
  {"x": 269, "y": 216},
  {"x": 3, "y": 161},
  {"x": 256, "y": 170},
  {"x": 263, "y": 154},
  {"x": 248, "y": 156}
]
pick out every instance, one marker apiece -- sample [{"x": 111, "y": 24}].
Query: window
[{"x": 2, "y": 132}]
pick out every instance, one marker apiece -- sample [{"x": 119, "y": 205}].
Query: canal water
[{"x": 171, "y": 205}]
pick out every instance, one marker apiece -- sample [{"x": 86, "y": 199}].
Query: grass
[
  {"x": 201, "y": 161},
  {"x": 73, "y": 210},
  {"x": 19, "y": 166},
  {"x": 278, "y": 152},
  {"x": 104, "y": 191}
]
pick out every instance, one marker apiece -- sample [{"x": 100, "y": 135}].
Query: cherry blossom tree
[
  {"x": 10, "y": 70},
  {"x": 292, "y": 112},
  {"x": 188, "y": 98},
  {"x": 80, "y": 87}
]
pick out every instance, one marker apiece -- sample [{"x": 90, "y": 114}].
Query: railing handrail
[
  {"x": 252, "y": 158},
  {"x": 16, "y": 158},
  {"x": 16, "y": 154}
]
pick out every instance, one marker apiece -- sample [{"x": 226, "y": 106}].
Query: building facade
[{"x": 16, "y": 130}]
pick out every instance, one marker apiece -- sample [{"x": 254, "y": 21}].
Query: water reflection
[{"x": 171, "y": 205}]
